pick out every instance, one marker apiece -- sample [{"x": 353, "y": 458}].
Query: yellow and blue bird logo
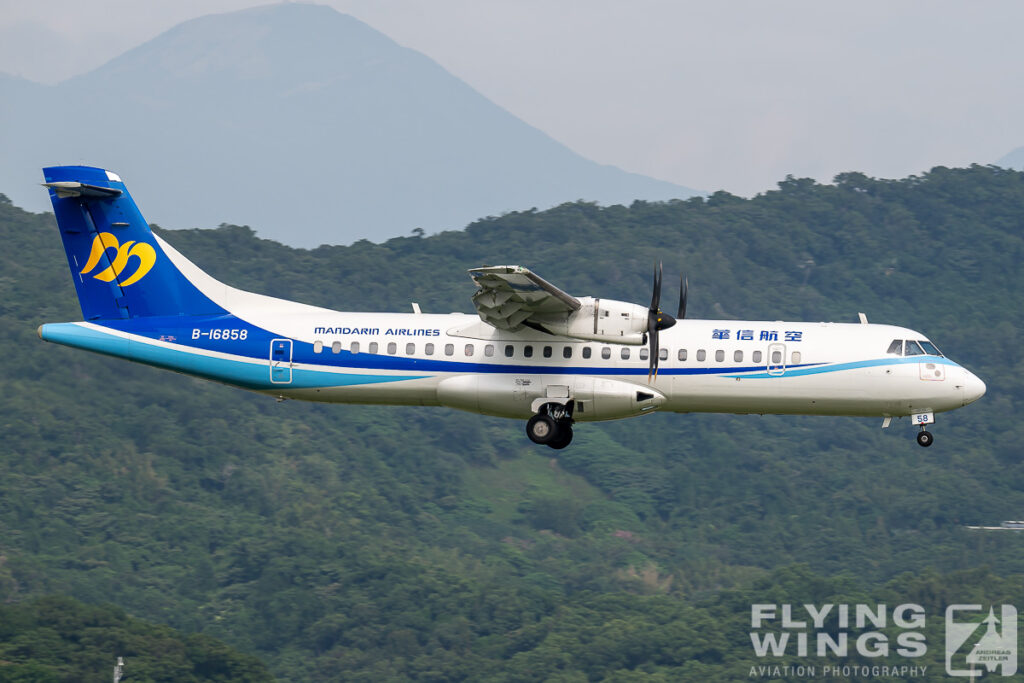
[{"x": 105, "y": 240}]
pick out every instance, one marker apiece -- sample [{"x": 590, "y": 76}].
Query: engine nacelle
[
  {"x": 610, "y": 399},
  {"x": 602, "y": 320}
]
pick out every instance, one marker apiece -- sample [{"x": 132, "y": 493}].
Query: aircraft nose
[{"x": 974, "y": 388}]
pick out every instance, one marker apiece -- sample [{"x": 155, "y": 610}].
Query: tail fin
[{"x": 119, "y": 267}]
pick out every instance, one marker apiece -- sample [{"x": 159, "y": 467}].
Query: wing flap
[{"x": 510, "y": 296}]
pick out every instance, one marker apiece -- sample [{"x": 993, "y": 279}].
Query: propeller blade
[
  {"x": 652, "y": 372},
  {"x": 684, "y": 288},
  {"x": 656, "y": 296}
]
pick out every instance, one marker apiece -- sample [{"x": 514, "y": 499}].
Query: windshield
[
  {"x": 930, "y": 348},
  {"x": 912, "y": 349}
]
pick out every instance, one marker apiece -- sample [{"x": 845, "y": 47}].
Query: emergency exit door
[{"x": 776, "y": 359}]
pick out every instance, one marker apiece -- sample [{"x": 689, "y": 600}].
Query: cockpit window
[
  {"x": 896, "y": 348},
  {"x": 913, "y": 349},
  {"x": 930, "y": 348}
]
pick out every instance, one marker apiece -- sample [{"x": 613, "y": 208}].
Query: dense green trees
[
  {"x": 60, "y": 639},
  {"x": 390, "y": 543}
]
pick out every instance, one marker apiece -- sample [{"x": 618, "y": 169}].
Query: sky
[{"x": 714, "y": 94}]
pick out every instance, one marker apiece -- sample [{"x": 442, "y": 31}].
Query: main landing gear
[{"x": 552, "y": 426}]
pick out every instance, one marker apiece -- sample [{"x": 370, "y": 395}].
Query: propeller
[{"x": 657, "y": 320}]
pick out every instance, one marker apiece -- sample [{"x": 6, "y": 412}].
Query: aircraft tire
[
  {"x": 563, "y": 438},
  {"x": 925, "y": 438},
  {"x": 542, "y": 429}
]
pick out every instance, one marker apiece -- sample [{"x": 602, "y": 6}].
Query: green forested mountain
[
  {"x": 60, "y": 639},
  {"x": 367, "y": 543}
]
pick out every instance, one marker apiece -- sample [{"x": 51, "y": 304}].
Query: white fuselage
[
  {"x": 706, "y": 366},
  {"x": 293, "y": 350}
]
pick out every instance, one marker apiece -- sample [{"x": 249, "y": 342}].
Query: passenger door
[{"x": 281, "y": 361}]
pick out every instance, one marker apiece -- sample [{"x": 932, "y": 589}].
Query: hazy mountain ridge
[
  {"x": 1014, "y": 160},
  {"x": 302, "y": 122}
]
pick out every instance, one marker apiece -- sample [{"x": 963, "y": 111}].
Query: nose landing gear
[
  {"x": 551, "y": 426},
  {"x": 924, "y": 437}
]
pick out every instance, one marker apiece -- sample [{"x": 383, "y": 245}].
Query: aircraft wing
[{"x": 513, "y": 297}]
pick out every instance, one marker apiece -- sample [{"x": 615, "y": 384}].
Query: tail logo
[{"x": 106, "y": 240}]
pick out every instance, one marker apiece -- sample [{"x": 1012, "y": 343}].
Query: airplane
[{"x": 533, "y": 352}]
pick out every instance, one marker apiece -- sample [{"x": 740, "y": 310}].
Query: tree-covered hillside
[
  {"x": 59, "y": 639},
  {"x": 367, "y": 543}
]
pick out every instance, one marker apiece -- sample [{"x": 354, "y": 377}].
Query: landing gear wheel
[
  {"x": 925, "y": 438},
  {"x": 563, "y": 437},
  {"x": 542, "y": 429}
]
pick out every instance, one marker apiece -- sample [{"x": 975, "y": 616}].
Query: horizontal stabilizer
[{"x": 67, "y": 188}]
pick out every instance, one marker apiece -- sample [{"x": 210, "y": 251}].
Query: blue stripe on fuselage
[
  {"x": 247, "y": 372},
  {"x": 816, "y": 369},
  {"x": 249, "y": 367}
]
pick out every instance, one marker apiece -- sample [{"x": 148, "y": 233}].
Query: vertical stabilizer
[{"x": 119, "y": 268}]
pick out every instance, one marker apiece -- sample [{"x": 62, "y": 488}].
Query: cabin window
[
  {"x": 737, "y": 356},
  {"x": 682, "y": 354},
  {"x": 796, "y": 357},
  {"x": 489, "y": 350},
  {"x": 896, "y": 347},
  {"x": 644, "y": 354},
  {"x": 719, "y": 356},
  {"x": 410, "y": 349},
  {"x": 755, "y": 357},
  {"x": 469, "y": 349},
  {"x": 374, "y": 347},
  {"x": 428, "y": 349},
  {"x": 547, "y": 352},
  {"x": 318, "y": 347},
  {"x": 663, "y": 354},
  {"x": 912, "y": 348},
  {"x": 930, "y": 348},
  {"x": 528, "y": 351},
  {"x": 606, "y": 353},
  {"x": 776, "y": 357},
  {"x": 624, "y": 354},
  {"x": 701, "y": 354},
  {"x": 566, "y": 352},
  {"x": 354, "y": 347},
  {"x": 392, "y": 348},
  {"x": 508, "y": 350},
  {"x": 586, "y": 352},
  {"x": 449, "y": 349},
  {"x": 336, "y": 347}
]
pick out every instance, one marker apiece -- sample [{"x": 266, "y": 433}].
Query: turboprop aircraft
[{"x": 535, "y": 352}]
